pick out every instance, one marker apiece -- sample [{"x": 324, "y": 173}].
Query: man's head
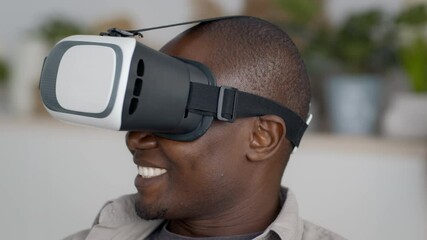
[
  {"x": 233, "y": 163},
  {"x": 250, "y": 54}
]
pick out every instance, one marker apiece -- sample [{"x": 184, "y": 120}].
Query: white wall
[
  {"x": 339, "y": 9},
  {"x": 363, "y": 188},
  {"x": 55, "y": 177}
]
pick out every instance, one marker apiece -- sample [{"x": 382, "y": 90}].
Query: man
[{"x": 226, "y": 184}]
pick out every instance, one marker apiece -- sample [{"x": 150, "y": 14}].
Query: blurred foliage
[
  {"x": 4, "y": 71},
  {"x": 58, "y": 28},
  {"x": 414, "y": 61},
  {"x": 413, "y": 52},
  {"x": 304, "y": 20},
  {"x": 364, "y": 43},
  {"x": 301, "y": 19},
  {"x": 301, "y": 11},
  {"x": 415, "y": 15}
]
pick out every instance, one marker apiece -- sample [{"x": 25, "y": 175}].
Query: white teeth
[{"x": 147, "y": 172}]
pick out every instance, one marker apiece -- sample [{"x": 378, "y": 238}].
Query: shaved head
[{"x": 252, "y": 55}]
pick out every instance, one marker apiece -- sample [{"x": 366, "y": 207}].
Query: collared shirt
[
  {"x": 118, "y": 220},
  {"x": 162, "y": 233}
]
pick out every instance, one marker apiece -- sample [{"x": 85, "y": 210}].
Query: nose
[{"x": 140, "y": 141}]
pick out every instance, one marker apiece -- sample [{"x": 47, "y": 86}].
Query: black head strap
[{"x": 227, "y": 104}]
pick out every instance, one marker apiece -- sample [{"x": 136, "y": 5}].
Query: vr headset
[{"x": 113, "y": 81}]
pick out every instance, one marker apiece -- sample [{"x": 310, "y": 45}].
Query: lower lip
[{"x": 141, "y": 182}]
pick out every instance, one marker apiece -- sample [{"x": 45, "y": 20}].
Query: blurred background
[{"x": 361, "y": 169}]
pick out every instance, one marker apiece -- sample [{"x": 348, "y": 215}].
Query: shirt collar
[{"x": 288, "y": 225}]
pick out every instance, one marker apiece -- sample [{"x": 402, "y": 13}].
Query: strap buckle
[
  {"x": 116, "y": 32},
  {"x": 219, "y": 115}
]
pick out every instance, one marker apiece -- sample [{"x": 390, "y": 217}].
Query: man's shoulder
[
  {"x": 82, "y": 235},
  {"x": 314, "y": 232},
  {"x": 117, "y": 220}
]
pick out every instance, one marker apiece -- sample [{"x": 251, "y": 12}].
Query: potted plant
[
  {"x": 4, "y": 72},
  {"x": 363, "y": 51},
  {"x": 413, "y": 48},
  {"x": 407, "y": 113},
  {"x": 4, "y": 76}
]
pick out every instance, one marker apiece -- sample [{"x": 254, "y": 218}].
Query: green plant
[
  {"x": 415, "y": 15},
  {"x": 364, "y": 43},
  {"x": 301, "y": 11},
  {"x": 413, "y": 52},
  {"x": 4, "y": 71},
  {"x": 302, "y": 18},
  {"x": 414, "y": 61},
  {"x": 55, "y": 29}
]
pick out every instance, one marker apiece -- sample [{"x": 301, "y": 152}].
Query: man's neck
[{"x": 251, "y": 215}]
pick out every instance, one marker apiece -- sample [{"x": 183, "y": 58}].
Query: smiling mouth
[{"x": 148, "y": 172}]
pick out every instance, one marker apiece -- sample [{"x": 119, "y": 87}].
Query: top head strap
[{"x": 115, "y": 32}]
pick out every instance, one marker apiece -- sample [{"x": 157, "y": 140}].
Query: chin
[{"x": 150, "y": 213}]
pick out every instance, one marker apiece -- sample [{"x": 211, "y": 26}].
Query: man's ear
[{"x": 267, "y": 136}]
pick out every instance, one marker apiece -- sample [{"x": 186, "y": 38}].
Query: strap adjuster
[{"x": 219, "y": 115}]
